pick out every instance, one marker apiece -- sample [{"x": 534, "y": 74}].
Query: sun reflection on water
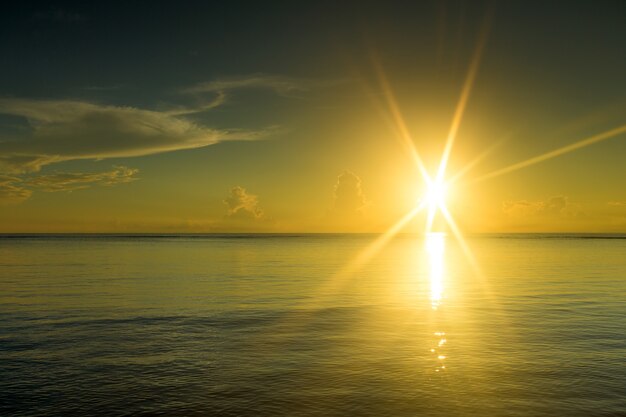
[{"x": 435, "y": 249}]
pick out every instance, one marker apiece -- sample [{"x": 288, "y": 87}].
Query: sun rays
[
  {"x": 463, "y": 99},
  {"x": 437, "y": 185},
  {"x": 557, "y": 152}
]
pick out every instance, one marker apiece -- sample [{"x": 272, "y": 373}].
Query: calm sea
[{"x": 312, "y": 325}]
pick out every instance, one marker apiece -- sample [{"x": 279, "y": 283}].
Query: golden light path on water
[{"x": 435, "y": 246}]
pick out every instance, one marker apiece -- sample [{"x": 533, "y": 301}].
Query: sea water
[{"x": 313, "y": 325}]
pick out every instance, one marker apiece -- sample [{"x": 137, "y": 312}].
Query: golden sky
[{"x": 204, "y": 118}]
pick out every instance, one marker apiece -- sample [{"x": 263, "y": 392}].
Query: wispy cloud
[
  {"x": 283, "y": 86},
  {"x": 200, "y": 106},
  {"x": 221, "y": 90},
  {"x": 66, "y": 130},
  {"x": 557, "y": 206},
  {"x": 63, "y": 130},
  {"x": 11, "y": 192},
  {"x": 617, "y": 203},
  {"x": 14, "y": 189},
  {"x": 70, "y": 181}
]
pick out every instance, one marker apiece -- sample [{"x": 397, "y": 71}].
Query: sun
[
  {"x": 434, "y": 199},
  {"x": 435, "y": 195}
]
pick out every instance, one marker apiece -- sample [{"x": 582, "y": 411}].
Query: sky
[{"x": 195, "y": 117}]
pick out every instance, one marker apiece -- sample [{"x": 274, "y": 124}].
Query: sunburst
[{"x": 437, "y": 186}]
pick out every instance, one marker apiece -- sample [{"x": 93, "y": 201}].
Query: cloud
[
  {"x": 63, "y": 130},
  {"x": 283, "y": 86},
  {"x": 349, "y": 199},
  {"x": 243, "y": 205},
  {"x": 11, "y": 192},
  {"x": 617, "y": 203},
  {"x": 14, "y": 190},
  {"x": 557, "y": 206},
  {"x": 244, "y": 214},
  {"x": 199, "y": 106},
  {"x": 65, "y": 181}
]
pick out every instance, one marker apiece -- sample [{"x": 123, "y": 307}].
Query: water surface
[{"x": 255, "y": 325}]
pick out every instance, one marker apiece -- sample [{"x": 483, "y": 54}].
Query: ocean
[{"x": 312, "y": 325}]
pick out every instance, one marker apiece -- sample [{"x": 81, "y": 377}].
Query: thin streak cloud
[
  {"x": 14, "y": 189},
  {"x": 64, "y": 130},
  {"x": 70, "y": 181},
  {"x": 283, "y": 86}
]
